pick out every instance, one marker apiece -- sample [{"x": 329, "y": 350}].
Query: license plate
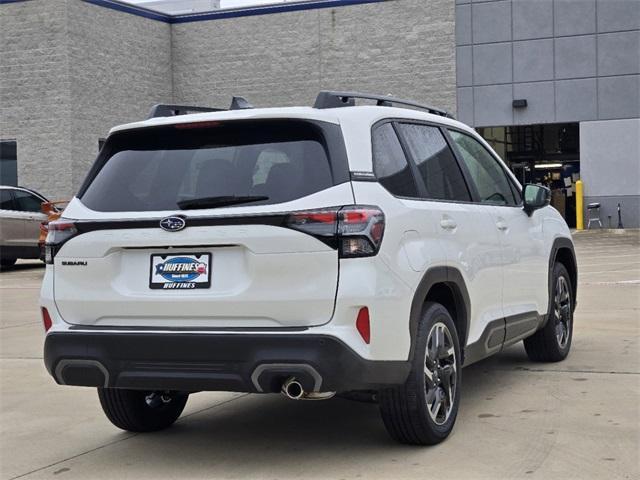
[{"x": 180, "y": 271}]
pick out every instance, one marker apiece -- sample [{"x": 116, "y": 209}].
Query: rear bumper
[{"x": 247, "y": 362}]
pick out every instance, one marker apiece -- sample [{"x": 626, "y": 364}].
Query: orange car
[{"x": 53, "y": 210}]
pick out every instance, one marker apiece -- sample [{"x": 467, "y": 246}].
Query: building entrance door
[{"x": 546, "y": 154}]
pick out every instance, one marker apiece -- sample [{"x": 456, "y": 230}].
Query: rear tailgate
[{"x": 230, "y": 267}]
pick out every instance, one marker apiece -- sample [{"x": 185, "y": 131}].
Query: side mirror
[{"x": 535, "y": 197}]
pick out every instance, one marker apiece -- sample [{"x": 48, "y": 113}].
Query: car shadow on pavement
[
  {"x": 23, "y": 266},
  {"x": 254, "y": 431}
]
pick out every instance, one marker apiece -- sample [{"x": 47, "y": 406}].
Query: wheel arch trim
[
  {"x": 563, "y": 244},
  {"x": 452, "y": 278}
]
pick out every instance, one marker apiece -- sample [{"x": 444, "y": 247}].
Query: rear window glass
[{"x": 159, "y": 167}]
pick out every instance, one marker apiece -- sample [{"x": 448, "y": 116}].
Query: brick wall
[
  {"x": 120, "y": 65},
  {"x": 404, "y": 47},
  {"x": 35, "y": 98},
  {"x": 70, "y": 70}
]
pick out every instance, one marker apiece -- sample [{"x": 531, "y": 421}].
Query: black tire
[
  {"x": 7, "y": 262},
  {"x": 130, "y": 409},
  {"x": 548, "y": 344},
  {"x": 404, "y": 409}
]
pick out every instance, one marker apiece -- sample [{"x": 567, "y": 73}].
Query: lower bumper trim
[{"x": 217, "y": 362}]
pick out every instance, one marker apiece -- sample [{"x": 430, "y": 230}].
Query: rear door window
[
  {"x": 390, "y": 164},
  {"x": 436, "y": 164},
  {"x": 156, "y": 168}
]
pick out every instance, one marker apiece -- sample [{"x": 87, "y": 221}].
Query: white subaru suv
[{"x": 311, "y": 251}]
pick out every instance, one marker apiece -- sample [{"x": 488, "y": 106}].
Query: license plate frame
[{"x": 179, "y": 271}]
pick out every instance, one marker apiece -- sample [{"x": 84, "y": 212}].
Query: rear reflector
[
  {"x": 363, "y": 326},
  {"x": 46, "y": 319}
]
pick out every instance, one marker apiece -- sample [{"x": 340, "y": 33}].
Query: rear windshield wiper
[{"x": 219, "y": 201}]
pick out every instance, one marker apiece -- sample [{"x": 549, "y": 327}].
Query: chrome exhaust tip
[{"x": 292, "y": 389}]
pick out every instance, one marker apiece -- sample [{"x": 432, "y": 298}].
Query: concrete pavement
[{"x": 575, "y": 419}]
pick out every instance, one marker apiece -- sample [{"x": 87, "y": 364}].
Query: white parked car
[
  {"x": 20, "y": 219},
  {"x": 309, "y": 251}
]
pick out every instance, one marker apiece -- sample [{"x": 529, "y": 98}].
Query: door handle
[
  {"x": 502, "y": 225},
  {"x": 448, "y": 224}
]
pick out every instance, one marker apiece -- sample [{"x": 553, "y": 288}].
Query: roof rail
[
  {"x": 329, "y": 99},
  {"x": 167, "y": 110}
]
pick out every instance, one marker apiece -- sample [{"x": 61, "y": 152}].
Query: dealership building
[{"x": 553, "y": 85}]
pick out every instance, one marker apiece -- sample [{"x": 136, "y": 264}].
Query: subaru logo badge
[{"x": 172, "y": 224}]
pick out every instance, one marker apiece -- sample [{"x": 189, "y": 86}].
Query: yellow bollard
[{"x": 579, "y": 206}]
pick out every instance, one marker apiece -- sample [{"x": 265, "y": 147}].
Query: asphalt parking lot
[{"x": 576, "y": 419}]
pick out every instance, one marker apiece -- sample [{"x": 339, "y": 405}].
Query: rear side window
[
  {"x": 436, "y": 164},
  {"x": 159, "y": 167},
  {"x": 390, "y": 164}
]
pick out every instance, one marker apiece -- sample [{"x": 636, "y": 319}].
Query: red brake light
[
  {"x": 314, "y": 217},
  {"x": 363, "y": 324},
  {"x": 206, "y": 124},
  {"x": 319, "y": 223},
  {"x": 46, "y": 319},
  {"x": 61, "y": 225},
  {"x": 354, "y": 216}
]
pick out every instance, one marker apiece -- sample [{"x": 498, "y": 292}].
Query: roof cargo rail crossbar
[
  {"x": 330, "y": 99},
  {"x": 167, "y": 110}
]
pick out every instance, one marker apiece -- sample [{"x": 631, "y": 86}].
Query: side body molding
[{"x": 502, "y": 333}]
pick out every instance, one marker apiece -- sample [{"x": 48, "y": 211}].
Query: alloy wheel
[
  {"x": 440, "y": 373},
  {"x": 562, "y": 311}
]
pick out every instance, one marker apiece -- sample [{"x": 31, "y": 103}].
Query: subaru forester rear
[{"x": 260, "y": 250}]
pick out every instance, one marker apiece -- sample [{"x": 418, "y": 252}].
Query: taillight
[
  {"x": 59, "y": 232},
  {"x": 355, "y": 230},
  {"x": 319, "y": 223},
  {"x": 46, "y": 319},
  {"x": 360, "y": 231},
  {"x": 363, "y": 325}
]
